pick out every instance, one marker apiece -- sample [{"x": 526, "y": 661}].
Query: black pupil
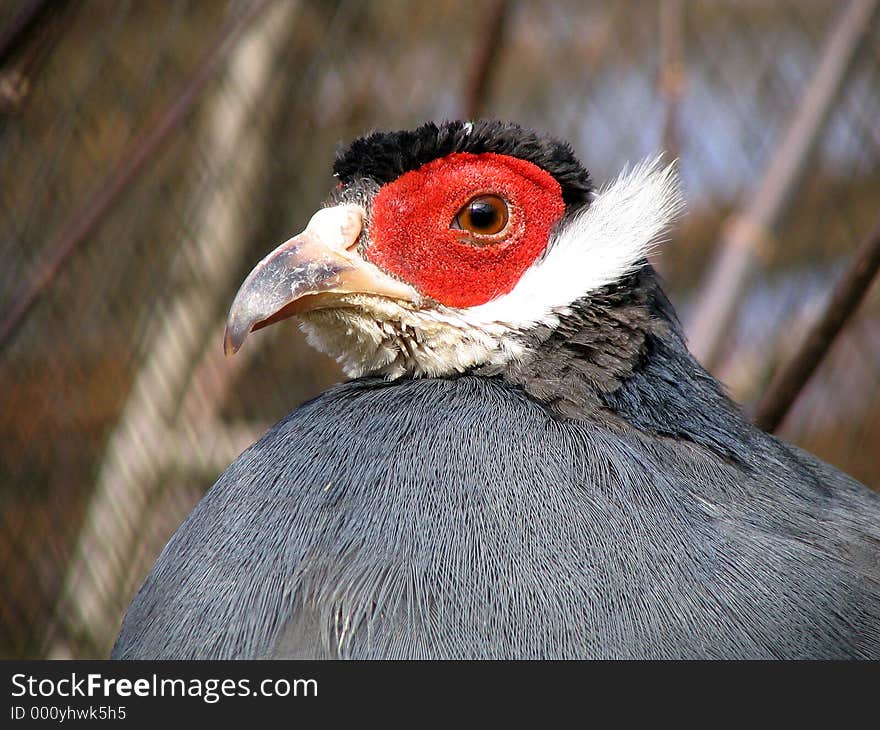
[{"x": 483, "y": 214}]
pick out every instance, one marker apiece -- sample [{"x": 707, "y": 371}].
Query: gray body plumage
[
  {"x": 463, "y": 518},
  {"x": 583, "y": 490}
]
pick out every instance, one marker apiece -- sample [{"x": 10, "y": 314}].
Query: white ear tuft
[{"x": 602, "y": 244}]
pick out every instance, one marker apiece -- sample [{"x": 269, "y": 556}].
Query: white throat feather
[{"x": 600, "y": 245}]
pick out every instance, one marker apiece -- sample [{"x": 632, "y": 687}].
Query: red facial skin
[{"x": 412, "y": 236}]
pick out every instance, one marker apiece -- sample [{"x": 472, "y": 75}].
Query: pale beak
[{"x": 322, "y": 260}]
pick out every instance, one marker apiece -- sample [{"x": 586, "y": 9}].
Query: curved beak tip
[{"x": 232, "y": 340}]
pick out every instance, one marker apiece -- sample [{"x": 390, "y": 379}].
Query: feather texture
[{"x": 458, "y": 518}]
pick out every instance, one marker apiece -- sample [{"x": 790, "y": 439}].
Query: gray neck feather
[{"x": 621, "y": 355}]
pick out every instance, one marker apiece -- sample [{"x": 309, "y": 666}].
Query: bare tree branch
[
  {"x": 25, "y": 43},
  {"x": 482, "y": 65},
  {"x": 22, "y": 24},
  {"x": 133, "y": 161},
  {"x": 845, "y": 299},
  {"x": 749, "y": 232},
  {"x": 672, "y": 71}
]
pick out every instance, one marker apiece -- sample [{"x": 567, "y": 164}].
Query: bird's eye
[{"x": 485, "y": 215}]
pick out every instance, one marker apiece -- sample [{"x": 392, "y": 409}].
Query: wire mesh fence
[{"x": 151, "y": 152}]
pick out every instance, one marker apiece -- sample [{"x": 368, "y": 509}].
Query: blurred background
[{"x": 152, "y": 151}]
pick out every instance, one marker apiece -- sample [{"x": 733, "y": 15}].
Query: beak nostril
[{"x": 353, "y": 246}]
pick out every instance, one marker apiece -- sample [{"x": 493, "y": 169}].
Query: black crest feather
[{"x": 384, "y": 156}]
